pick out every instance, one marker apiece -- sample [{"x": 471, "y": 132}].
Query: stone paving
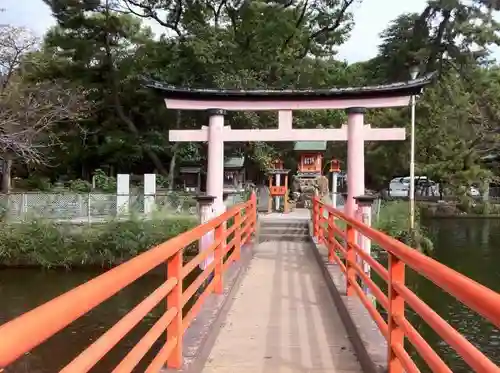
[{"x": 283, "y": 319}]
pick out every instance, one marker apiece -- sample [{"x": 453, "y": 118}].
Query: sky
[{"x": 371, "y": 18}]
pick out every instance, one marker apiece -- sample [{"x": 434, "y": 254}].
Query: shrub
[
  {"x": 394, "y": 220},
  {"x": 34, "y": 182},
  {"x": 104, "y": 182},
  {"x": 80, "y": 186},
  {"x": 48, "y": 244}
]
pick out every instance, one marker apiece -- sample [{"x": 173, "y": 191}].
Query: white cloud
[
  {"x": 371, "y": 18},
  {"x": 33, "y": 14}
]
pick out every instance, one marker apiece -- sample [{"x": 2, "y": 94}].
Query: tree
[
  {"x": 99, "y": 47},
  {"x": 102, "y": 46},
  {"x": 15, "y": 44},
  {"x": 457, "y": 118},
  {"x": 28, "y": 112}
]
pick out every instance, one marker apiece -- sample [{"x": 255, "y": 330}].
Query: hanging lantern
[
  {"x": 334, "y": 165},
  {"x": 277, "y": 164}
]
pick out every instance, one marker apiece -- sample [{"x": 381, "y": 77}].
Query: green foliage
[
  {"x": 104, "y": 182},
  {"x": 48, "y": 244},
  {"x": 162, "y": 181},
  {"x": 394, "y": 220},
  {"x": 267, "y": 44},
  {"x": 80, "y": 186},
  {"x": 35, "y": 182}
]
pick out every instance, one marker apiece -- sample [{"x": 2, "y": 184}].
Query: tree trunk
[
  {"x": 115, "y": 92},
  {"x": 7, "y": 175},
  {"x": 151, "y": 154},
  {"x": 171, "y": 172},
  {"x": 173, "y": 160}
]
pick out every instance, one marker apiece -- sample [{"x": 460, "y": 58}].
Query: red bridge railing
[
  {"x": 29, "y": 330},
  {"x": 344, "y": 250}
]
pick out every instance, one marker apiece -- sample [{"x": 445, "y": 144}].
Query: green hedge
[{"x": 48, "y": 244}]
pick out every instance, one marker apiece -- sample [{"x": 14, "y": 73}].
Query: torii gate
[{"x": 354, "y": 100}]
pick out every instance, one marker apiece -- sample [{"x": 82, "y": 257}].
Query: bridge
[{"x": 283, "y": 293}]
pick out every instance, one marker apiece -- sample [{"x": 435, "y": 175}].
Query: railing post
[
  {"x": 364, "y": 214},
  {"x": 350, "y": 258},
  {"x": 219, "y": 259},
  {"x": 315, "y": 218},
  {"x": 253, "y": 212},
  {"x": 174, "y": 300},
  {"x": 321, "y": 236},
  {"x": 396, "y": 309},
  {"x": 331, "y": 238},
  {"x": 206, "y": 211},
  {"x": 237, "y": 234}
]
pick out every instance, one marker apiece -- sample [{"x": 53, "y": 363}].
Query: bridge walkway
[{"x": 283, "y": 319}]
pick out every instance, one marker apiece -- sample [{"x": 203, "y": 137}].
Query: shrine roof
[
  {"x": 309, "y": 146},
  {"x": 234, "y": 162},
  {"x": 411, "y": 87}
]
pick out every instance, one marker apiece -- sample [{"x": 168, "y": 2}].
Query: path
[{"x": 283, "y": 319}]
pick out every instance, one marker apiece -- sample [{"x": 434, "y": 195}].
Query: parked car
[{"x": 400, "y": 187}]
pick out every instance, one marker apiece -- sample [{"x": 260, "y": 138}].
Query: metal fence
[{"x": 93, "y": 206}]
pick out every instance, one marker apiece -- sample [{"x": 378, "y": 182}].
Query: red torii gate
[{"x": 354, "y": 100}]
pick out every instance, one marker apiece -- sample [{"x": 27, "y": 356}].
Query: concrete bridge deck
[{"x": 283, "y": 319}]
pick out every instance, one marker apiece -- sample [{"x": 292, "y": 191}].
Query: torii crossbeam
[
  {"x": 280, "y": 134},
  {"x": 356, "y": 137},
  {"x": 355, "y": 100}
]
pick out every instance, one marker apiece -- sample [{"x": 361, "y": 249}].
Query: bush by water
[
  {"x": 49, "y": 244},
  {"x": 394, "y": 220}
]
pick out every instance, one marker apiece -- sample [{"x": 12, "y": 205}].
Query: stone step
[
  {"x": 285, "y": 230},
  {"x": 283, "y": 237},
  {"x": 284, "y": 223}
]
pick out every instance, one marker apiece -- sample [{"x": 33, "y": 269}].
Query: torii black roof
[{"x": 407, "y": 88}]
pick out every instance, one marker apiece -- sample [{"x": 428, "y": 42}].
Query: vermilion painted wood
[
  {"x": 22, "y": 334},
  {"x": 479, "y": 298}
]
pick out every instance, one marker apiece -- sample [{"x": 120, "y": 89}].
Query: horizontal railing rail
[
  {"x": 21, "y": 335},
  {"x": 343, "y": 249}
]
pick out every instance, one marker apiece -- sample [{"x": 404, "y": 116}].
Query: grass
[
  {"x": 48, "y": 244},
  {"x": 393, "y": 220}
]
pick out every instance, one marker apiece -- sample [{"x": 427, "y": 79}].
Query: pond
[
  {"x": 471, "y": 246},
  {"x": 24, "y": 289}
]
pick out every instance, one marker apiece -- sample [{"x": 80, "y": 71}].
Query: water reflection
[
  {"x": 469, "y": 246},
  {"x": 472, "y": 247},
  {"x": 24, "y": 289}
]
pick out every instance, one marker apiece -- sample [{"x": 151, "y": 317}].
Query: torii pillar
[
  {"x": 215, "y": 167},
  {"x": 355, "y": 158}
]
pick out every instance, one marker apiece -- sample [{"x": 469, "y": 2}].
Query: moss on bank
[{"x": 49, "y": 244}]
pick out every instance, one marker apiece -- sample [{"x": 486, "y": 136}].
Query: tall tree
[
  {"x": 457, "y": 119},
  {"x": 29, "y": 111},
  {"x": 99, "y": 47}
]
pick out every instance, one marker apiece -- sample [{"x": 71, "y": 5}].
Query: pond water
[
  {"x": 24, "y": 289},
  {"x": 472, "y": 247},
  {"x": 469, "y": 246}
]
